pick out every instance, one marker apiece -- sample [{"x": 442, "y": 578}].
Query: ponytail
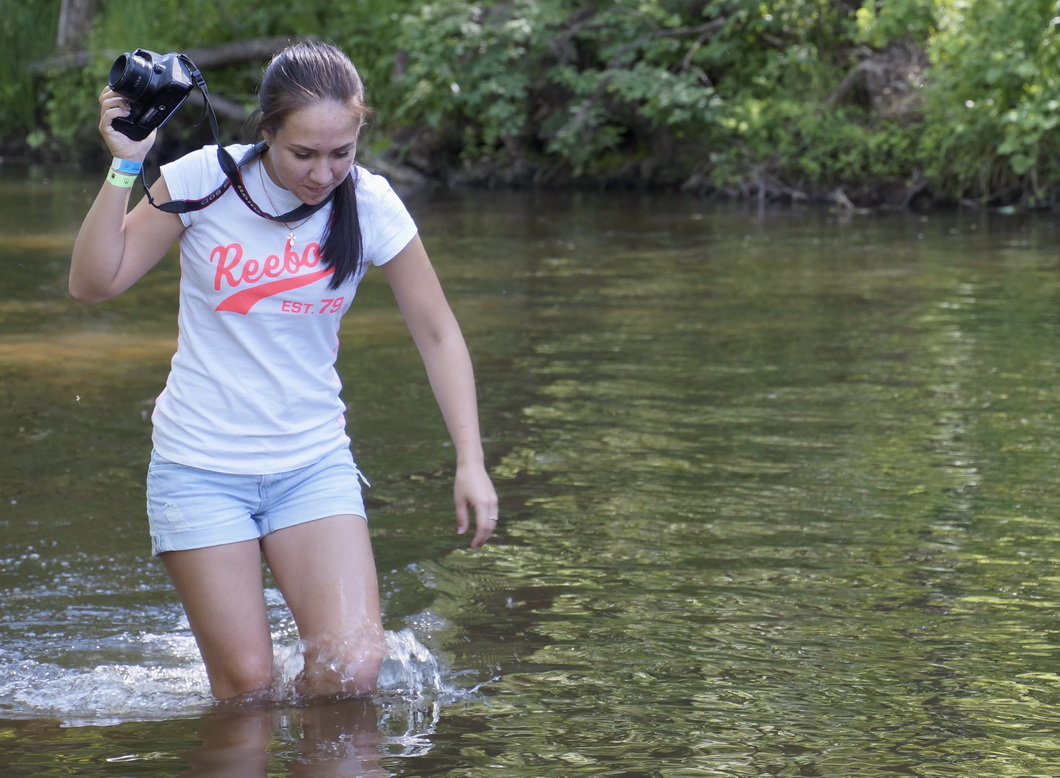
[{"x": 342, "y": 247}]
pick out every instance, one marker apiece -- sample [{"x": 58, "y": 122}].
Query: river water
[{"x": 779, "y": 492}]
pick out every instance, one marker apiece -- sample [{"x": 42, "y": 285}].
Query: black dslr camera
[{"x": 155, "y": 85}]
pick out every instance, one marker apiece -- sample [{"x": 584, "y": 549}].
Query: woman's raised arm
[{"x": 115, "y": 247}]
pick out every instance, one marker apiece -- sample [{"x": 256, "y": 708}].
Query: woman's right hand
[{"x": 112, "y": 106}]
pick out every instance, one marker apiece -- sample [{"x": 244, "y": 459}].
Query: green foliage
[
  {"x": 556, "y": 77},
  {"x": 584, "y": 83},
  {"x": 727, "y": 91},
  {"x": 992, "y": 107},
  {"x": 742, "y": 87},
  {"x": 27, "y": 33},
  {"x": 58, "y": 109},
  {"x": 811, "y": 150},
  {"x": 880, "y": 22}
]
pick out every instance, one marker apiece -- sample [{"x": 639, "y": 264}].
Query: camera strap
[{"x": 233, "y": 178}]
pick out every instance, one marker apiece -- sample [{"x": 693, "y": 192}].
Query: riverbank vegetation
[{"x": 861, "y": 102}]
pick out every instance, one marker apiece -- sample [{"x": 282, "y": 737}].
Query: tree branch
[{"x": 205, "y": 58}]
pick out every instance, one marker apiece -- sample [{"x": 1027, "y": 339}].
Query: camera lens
[{"x": 130, "y": 76}]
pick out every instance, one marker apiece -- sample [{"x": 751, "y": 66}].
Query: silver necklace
[{"x": 290, "y": 227}]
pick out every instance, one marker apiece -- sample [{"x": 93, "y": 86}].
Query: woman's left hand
[{"x": 473, "y": 490}]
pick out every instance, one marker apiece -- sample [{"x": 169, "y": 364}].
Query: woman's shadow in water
[{"x": 334, "y": 739}]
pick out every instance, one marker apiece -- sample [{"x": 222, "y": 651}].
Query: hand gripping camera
[{"x": 155, "y": 85}]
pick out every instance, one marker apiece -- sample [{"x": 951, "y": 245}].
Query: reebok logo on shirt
[{"x": 250, "y": 277}]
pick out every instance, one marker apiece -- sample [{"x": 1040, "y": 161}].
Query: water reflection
[
  {"x": 235, "y": 742},
  {"x": 338, "y": 739},
  {"x": 780, "y": 498}
]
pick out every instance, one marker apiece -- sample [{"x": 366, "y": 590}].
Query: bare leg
[
  {"x": 327, "y": 575},
  {"x": 222, "y": 593}
]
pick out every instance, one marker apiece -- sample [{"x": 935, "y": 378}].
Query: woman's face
[{"x": 312, "y": 151}]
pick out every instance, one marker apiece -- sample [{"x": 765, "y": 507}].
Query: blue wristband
[{"x": 126, "y": 166}]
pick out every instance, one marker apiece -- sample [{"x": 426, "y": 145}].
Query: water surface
[{"x": 779, "y": 498}]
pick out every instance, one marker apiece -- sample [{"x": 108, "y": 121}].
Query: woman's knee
[
  {"x": 241, "y": 677},
  {"x": 342, "y": 665}
]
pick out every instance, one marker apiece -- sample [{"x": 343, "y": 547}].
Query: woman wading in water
[{"x": 251, "y": 455}]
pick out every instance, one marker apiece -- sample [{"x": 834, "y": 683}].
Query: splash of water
[
  {"x": 413, "y": 685},
  {"x": 410, "y": 670},
  {"x": 104, "y": 694}
]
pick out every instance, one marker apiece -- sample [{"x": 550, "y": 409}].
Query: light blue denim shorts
[{"x": 191, "y": 508}]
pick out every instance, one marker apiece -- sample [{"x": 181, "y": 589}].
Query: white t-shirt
[{"x": 253, "y": 386}]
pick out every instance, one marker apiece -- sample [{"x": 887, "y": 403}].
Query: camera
[{"x": 155, "y": 85}]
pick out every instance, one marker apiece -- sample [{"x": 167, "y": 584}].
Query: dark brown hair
[{"x": 301, "y": 75}]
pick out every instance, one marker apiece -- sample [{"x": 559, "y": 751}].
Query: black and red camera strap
[{"x": 230, "y": 167}]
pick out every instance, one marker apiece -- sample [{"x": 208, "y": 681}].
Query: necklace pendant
[{"x": 290, "y": 238}]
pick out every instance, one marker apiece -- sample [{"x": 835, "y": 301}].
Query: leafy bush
[
  {"x": 27, "y": 34},
  {"x": 993, "y": 101},
  {"x": 728, "y": 93},
  {"x": 722, "y": 88},
  {"x": 557, "y": 78},
  {"x": 58, "y": 108},
  {"x": 880, "y": 22}
]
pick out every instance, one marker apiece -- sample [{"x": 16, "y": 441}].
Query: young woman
[{"x": 251, "y": 455}]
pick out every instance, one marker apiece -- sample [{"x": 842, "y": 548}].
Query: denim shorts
[{"x": 191, "y": 508}]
